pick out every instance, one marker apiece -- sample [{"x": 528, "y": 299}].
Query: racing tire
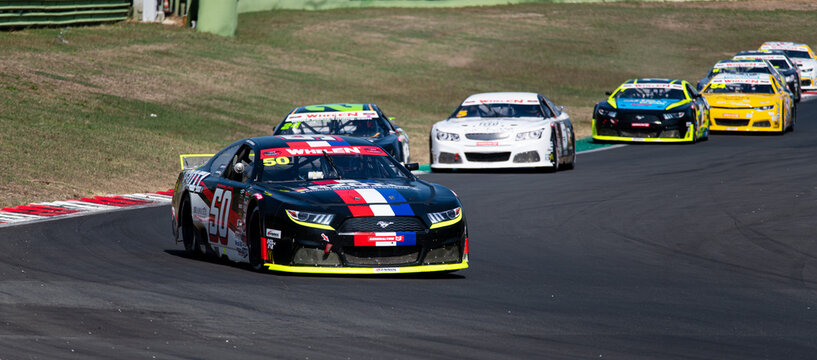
[
  {"x": 793, "y": 117},
  {"x": 554, "y": 154},
  {"x": 254, "y": 240},
  {"x": 190, "y": 236},
  {"x": 405, "y": 153}
]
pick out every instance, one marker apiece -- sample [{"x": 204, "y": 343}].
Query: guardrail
[{"x": 62, "y": 12}]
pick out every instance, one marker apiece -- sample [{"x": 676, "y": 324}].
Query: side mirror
[
  {"x": 413, "y": 166},
  {"x": 561, "y": 107},
  {"x": 608, "y": 93},
  {"x": 239, "y": 168}
]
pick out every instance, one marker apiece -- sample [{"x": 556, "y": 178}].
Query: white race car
[
  {"x": 804, "y": 57},
  {"x": 504, "y": 130}
]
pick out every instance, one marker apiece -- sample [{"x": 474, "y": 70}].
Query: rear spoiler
[{"x": 192, "y": 161}]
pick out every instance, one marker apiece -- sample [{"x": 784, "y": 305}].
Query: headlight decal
[
  {"x": 675, "y": 115},
  {"x": 530, "y": 135},
  {"x": 315, "y": 220},
  {"x": 445, "y": 218},
  {"x": 446, "y": 136}
]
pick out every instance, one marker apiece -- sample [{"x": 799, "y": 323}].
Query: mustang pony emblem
[{"x": 384, "y": 224}]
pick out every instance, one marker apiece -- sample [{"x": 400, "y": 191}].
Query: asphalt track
[{"x": 700, "y": 251}]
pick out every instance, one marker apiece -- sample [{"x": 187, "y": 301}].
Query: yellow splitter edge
[
  {"x": 687, "y": 137},
  {"x": 375, "y": 270}
]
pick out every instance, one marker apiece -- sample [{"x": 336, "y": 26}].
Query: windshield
[
  {"x": 346, "y": 162},
  {"x": 739, "y": 88},
  {"x": 499, "y": 110},
  {"x": 797, "y": 54},
  {"x": 650, "y": 93},
  {"x": 368, "y": 128}
]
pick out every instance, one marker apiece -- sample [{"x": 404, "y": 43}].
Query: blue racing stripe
[
  {"x": 402, "y": 210},
  {"x": 392, "y": 196}
]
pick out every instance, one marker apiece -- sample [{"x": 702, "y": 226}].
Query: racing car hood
[
  {"x": 323, "y": 193},
  {"x": 646, "y": 104},
  {"x": 490, "y": 125},
  {"x": 740, "y": 100}
]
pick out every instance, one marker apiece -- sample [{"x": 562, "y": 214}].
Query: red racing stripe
[
  {"x": 350, "y": 197},
  {"x": 361, "y": 211}
]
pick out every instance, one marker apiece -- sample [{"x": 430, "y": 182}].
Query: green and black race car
[{"x": 652, "y": 110}]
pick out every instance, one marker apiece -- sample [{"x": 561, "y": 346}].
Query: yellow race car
[{"x": 749, "y": 102}]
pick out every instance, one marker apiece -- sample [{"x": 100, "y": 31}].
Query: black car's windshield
[
  {"x": 650, "y": 93},
  {"x": 739, "y": 70},
  {"x": 739, "y": 88},
  {"x": 498, "y": 110},
  {"x": 347, "y": 162}
]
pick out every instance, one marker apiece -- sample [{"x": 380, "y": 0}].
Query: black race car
[
  {"x": 359, "y": 120},
  {"x": 782, "y": 63},
  {"x": 318, "y": 204},
  {"x": 652, "y": 110}
]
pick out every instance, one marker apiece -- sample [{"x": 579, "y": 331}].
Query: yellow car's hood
[{"x": 741, "y": 100}]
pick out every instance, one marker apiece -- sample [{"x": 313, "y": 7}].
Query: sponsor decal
[
  {"x": 273, "y": 233},
  {"x": 730, "y": 115},
  {"x": 318, "y": 148},
  {"x": 258, "y": 196},
  {"x": 386, "y": 270},
  {"x": 740, "y": 64},
  {"x": 324, "y": 185},
  {"x": 652, "y": 86},
  {"x": 324, "y": 237},
  {"x": 502, "y": 101},
  {"x": 333, "y": 115},
  {"x": 487, "y": 143},
  {"x": 384, "y": 238},
  {"x": 640, "y": 125},
  {"x": 193, "y": 180}
]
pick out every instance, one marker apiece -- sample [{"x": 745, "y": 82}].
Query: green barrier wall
[
  {"x": 61, "y": 12},
  {"x": 218, "y": 17}
]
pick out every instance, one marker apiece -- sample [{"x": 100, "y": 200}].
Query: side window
[
  {"x": 692, "y": 93},
  {"x": 221, "y": 160},
  {"x": 550, "y": 107},
  {"x": 246, "y": 156}
]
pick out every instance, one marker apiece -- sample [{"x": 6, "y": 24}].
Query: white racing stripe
[
  {"x": 382, "y": 210},
  {"x": 372, "y": 196}
]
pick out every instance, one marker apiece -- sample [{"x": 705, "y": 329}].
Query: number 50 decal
[{"x": 220, "y": 211}]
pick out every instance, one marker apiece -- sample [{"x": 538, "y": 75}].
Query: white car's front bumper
[{"x": 490, "y": 154}]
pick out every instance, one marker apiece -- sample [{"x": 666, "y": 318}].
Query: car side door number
[{"x": 219, "y": 214}]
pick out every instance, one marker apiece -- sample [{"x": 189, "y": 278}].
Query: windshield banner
[
  {"x": 332, "y": 115},
  {"x": 319, "y": 150}
]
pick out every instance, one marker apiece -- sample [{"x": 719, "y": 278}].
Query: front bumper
[
  {"x": 653, "y": 134},
  {"x": 354, "y": 248},
  {"x": 723, "y": 119},
  {"x": 374, "y": 270},
  {"x": 491, "y": 154}
]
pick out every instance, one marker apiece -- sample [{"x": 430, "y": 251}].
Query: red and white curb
[
  {"x": 45, "y": 211},
  {"x": 808, "y": 95}
]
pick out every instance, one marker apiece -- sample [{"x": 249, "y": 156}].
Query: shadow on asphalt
[{"x": 442, "y": 275}]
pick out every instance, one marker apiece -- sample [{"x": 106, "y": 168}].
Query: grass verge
[{"x": 109, "y": 111}]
